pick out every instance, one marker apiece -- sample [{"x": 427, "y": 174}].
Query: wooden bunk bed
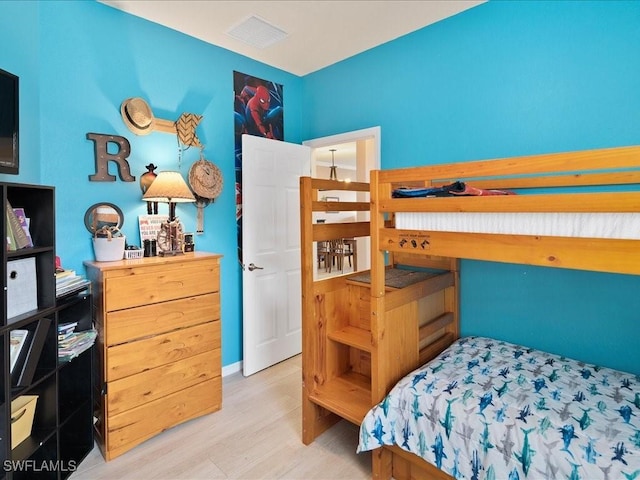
[
  {"x": 350, "y": 360},
  {"x": 583, "y": 182}
]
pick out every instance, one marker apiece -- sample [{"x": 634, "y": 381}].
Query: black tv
[{"x": 9, "y": 122}]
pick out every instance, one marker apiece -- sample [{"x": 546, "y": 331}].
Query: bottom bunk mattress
[{"x": 488, "y": 409}]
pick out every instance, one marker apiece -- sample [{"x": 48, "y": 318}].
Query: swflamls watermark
[{"x": 39, "y": 466}]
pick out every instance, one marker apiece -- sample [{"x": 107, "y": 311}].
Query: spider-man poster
[{"x": 258, "y": 110}]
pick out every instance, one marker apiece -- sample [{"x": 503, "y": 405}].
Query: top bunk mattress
[
  {"x": 584, "y": 225},
  {"x": 488, "y": 409}
]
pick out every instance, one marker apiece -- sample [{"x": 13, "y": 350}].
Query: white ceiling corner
[{"x": 304, "y": 36}]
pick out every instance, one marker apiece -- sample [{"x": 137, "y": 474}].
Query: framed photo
[
  {"x": 17, "y": 341},
  {"x": 29, "y": 357}
]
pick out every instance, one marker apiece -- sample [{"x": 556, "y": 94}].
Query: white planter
[{"x": 108, "y": 249}]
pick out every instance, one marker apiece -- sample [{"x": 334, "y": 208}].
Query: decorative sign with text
[{"x": 150, "y": 226}]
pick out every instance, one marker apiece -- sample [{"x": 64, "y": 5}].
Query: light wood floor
[{"x": 256, "y": 435}]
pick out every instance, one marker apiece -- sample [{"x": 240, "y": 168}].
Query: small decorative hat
[
  {"x": 205, "y": 179},
  {"x": 137, "y": 116}
]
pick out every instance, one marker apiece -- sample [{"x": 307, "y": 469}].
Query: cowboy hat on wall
[{"x": 138, "y": 117}]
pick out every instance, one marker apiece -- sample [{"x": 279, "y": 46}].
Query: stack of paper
[
  {"x": 68, "y": 282},
  {"x": 75, "y": 344}
]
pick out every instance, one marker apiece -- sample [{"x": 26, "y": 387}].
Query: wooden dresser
[{"x": 158, "y": 345}]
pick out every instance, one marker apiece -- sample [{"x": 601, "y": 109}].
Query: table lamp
[{"x": 169, "y": 187}]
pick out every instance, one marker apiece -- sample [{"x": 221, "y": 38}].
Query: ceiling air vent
[{"x": 257, "y": 32}]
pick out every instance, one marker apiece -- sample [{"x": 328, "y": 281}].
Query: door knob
[{"x": 252, "y": 267}]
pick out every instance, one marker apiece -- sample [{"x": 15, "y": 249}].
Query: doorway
[
  {"x": 352, "y": 155},
  {"x": 271, "y": 313}
]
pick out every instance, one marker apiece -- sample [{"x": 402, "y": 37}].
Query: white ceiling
[{"x": 318, "y": 33}]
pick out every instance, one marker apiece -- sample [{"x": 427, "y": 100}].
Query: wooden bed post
[
  {"x": 452, "y": 299},
  {"x": 315, "y": 419},
  {"x": 381, "y": 459},
  {"x": 379, "y": 364},
  {"x": 309, "y": 410},
  {"x": 381, "y": 464}
]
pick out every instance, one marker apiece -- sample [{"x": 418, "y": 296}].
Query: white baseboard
[{"x": 231, "y": 369}]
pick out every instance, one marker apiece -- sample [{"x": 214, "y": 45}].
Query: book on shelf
[
  {"x": 66, "y": 330},
  {"x": 63, "y": 273},
  {"x": 18, "y": 340},
  {"x": 71, "y": 284},
  {"x": 11, "y": 240},
  {"x": 69, "y": 279},
  {"x": 67, "y": 327},
  {"x": 13, "y": 223},
  {"x": 24, "y": 223},
  {"x": 64, "y": 336},
  {"x": 75, "y": 344}
]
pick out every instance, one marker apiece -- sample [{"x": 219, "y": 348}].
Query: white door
[{"x": 271, "y": 300}]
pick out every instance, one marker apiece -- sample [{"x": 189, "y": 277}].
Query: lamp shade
[{"x": 168, "y": 187}]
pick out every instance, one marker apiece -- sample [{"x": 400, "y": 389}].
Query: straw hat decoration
[
  {"x": 205, "y": 180},
  {"x": 137, "y": 116}
]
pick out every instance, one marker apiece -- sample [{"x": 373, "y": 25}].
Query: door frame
[{"x": 348, "y": 137}]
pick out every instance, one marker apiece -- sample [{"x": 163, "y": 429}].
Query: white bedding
[{"x": 585, "y": 225}]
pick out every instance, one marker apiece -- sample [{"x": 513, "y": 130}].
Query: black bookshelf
[{"x": 61, "y": 433}]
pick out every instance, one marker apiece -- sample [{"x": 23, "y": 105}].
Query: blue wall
[
  {"x": 506, "y": 79},
  {"x": 77, "y": 62},
  {"x": 501, "y": 79},
  {"x": 19, "y": 54}
]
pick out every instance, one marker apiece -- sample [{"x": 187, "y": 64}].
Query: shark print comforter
[{"x": 487, "y": 409}]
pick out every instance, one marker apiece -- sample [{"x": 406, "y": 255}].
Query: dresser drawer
[
  {"x": 138, "y": 424},
  {"x": 136, "y": 390},
  {"x": 139, "y": 285},
  {"x": 135, "y": 357},
  {"x": 127, "y": 325}
]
